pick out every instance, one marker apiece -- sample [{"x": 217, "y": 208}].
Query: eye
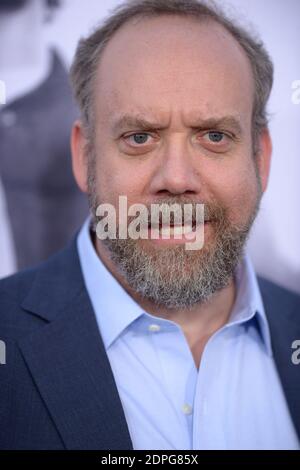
[
  {"x": 138, "y": 138},
  {"x": 215, "y": 136},
  {"x": 217, "y": 141}
]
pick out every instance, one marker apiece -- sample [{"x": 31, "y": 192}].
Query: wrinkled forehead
[{"x": 171, "y": 63}]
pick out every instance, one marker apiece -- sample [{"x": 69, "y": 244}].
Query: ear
[
  {"x": 79, "y": 157},
  {"x": 264, "y": 157}
]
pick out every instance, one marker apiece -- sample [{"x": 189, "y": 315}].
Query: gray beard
[{"x": 173, "y": 277}]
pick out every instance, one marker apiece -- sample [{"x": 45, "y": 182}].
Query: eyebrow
[{"x": 130, "y": 121}]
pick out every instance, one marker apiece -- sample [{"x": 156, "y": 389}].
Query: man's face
[{"x": 194, "y": 83}]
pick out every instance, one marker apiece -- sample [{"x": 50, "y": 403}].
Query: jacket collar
[
  {"x": 69, "y": 364},
  {"x": 283, "y": 309},
  {"x": 68, "y": 361}
]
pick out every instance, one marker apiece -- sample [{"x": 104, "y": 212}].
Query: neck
[
  {"x": 198, "y": 323},
  {"x": 24, "y": 56}
]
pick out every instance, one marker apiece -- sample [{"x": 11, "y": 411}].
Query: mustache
[{"x": 177, "y": 210}]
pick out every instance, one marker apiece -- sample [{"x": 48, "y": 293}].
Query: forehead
[{"x": 173, "y": 63}]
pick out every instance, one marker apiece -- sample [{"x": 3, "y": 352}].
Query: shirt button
[
  {"x": 187, "y": 409},
  {"x": 154, "y": 327}
]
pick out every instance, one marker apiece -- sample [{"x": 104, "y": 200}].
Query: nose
[{"x": 176, "y": 172}]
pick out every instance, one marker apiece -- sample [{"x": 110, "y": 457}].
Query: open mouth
[{"x": 175, "y": 229}]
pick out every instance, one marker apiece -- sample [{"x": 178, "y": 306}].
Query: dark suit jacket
[{"x": 57, "y": 389}]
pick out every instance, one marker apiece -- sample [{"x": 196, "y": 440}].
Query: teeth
[
  {"x": 188, "y": 229},
  {"x": 165, "y": 231},
  {"x": 176, "y": 230}
]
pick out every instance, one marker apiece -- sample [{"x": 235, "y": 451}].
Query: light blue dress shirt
[{"x": 233, "y": 401}]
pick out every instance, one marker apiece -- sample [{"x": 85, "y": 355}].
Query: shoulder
[
  {"x": 280, "y": 299},
  {"x": 277, "y": 291},
  {"x": 43, "y": 284},
  {"x": 13, "y": 290}
]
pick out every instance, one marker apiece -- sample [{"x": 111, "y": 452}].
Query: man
[
  {"x": 194, "y": 351},
  {"x": 35, "y": 163}
]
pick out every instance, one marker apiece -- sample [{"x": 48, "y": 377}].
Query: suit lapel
[
  {"x": 283, "y": 312},
  {"x": 68, "y": 361},
  {"x": 70, "y": 367}
]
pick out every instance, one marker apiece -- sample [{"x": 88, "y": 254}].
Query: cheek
[
  {"x": 237, "y": 192},
  {"x": 115, "y": 178}
]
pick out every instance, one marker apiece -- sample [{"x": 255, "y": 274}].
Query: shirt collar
[
  {"x": 248, "y": 303},
  {"x": 115, "y": 309}
]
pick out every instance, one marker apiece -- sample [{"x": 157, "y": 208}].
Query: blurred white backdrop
[{"x": 275, "y": 238}]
